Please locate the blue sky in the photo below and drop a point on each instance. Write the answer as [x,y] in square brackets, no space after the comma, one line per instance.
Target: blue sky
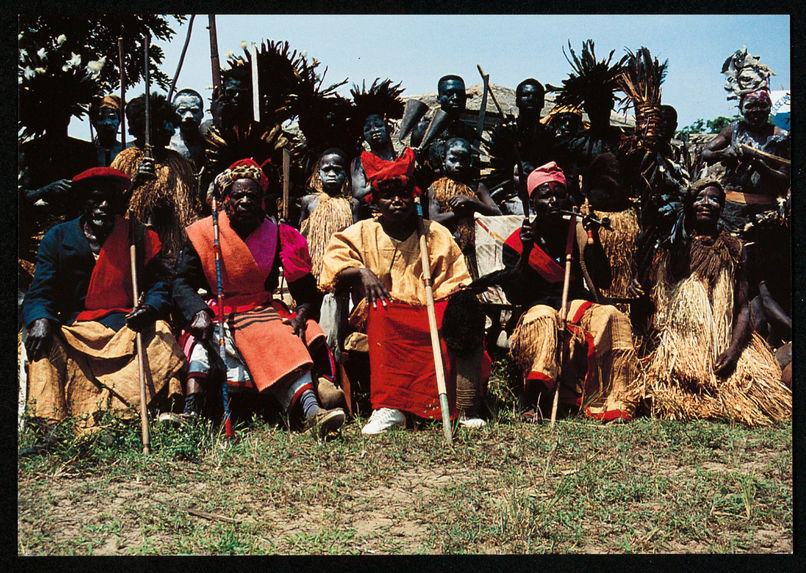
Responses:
[417,49]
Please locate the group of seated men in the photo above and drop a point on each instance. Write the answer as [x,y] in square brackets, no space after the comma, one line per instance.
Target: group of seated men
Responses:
[83,314]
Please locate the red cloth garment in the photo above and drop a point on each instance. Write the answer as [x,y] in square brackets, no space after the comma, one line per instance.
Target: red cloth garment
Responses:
[271,352]
[242,279]
[110,289]
[539,260]
[402,362]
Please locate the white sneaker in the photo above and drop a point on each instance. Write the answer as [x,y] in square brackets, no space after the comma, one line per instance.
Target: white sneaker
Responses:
[473,422]
[384,419]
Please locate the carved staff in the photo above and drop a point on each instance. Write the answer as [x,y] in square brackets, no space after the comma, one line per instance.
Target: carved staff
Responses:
[181,58]
[219,285]
[255,84]
[569,250]
[432,327]
[122,95]
[765,155]
[147,149]
[146,434]
[286,181]
[214,56]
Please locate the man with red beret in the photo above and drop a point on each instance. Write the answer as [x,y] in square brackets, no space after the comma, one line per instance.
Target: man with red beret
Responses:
[598,380]
[80,314]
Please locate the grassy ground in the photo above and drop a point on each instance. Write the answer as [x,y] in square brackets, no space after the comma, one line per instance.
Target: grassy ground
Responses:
[649,486]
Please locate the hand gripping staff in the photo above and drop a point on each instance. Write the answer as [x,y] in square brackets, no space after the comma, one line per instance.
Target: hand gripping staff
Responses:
[135,290]
[432,327]
[220,299]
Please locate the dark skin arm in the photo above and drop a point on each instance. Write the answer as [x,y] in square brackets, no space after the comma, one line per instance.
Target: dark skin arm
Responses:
[305,209]
[358,179]
[772,309]
[720,148]
[462,206]
[726,362]
[366,282]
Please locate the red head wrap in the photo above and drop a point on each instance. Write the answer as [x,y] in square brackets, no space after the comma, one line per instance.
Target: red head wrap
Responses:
[762,94]
[544,174]
[377,170]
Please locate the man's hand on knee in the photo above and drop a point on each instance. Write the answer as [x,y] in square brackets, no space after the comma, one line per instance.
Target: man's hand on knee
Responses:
[39,338]
[141,317]
[201,327]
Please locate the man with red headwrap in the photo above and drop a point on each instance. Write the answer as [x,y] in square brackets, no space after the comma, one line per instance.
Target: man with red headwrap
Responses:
[267,348]
[381,263]
[598,374]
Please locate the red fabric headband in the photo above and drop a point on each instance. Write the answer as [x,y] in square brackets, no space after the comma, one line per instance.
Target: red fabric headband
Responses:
[544,174]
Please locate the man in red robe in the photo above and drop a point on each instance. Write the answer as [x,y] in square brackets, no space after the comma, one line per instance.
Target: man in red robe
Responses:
[266,347]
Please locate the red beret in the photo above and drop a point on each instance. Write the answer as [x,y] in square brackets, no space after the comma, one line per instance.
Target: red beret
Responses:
[106,173]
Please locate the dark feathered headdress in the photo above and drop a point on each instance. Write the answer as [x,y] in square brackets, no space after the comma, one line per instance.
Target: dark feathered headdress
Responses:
[382,98]
[590,78]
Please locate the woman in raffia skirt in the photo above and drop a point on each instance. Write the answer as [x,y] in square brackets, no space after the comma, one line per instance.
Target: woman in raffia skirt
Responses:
[708,362]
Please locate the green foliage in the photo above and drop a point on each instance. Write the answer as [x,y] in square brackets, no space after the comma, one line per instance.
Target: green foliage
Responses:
[95,36]
[702,126]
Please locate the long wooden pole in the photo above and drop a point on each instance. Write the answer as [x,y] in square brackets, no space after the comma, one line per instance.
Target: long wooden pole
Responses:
[122,95]
[766,155]
[140,351]
[286,182]
[220,300]
[432,327]
[181,58]
[216,67]
[569,250]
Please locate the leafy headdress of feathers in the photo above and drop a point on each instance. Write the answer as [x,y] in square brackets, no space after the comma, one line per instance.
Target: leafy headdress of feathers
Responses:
[745,74]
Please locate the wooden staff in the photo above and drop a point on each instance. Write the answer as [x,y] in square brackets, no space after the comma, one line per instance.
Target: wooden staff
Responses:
[181,58]
[432,327]
[122,95]
[147,149]
[139,342]
[220,300]
[569,250]
[766,155]
[214,56]
[286,181]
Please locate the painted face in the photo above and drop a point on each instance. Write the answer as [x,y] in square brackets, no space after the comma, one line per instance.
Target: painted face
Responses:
[566,124]
[756,110]
[708,205]
[452,96]
[376,132]
[236,92]
[107,123]
[529,99]
[332,171]
[189,111]
[244,205]
[104,201]
[549,196]
[396,203]
[457,160]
